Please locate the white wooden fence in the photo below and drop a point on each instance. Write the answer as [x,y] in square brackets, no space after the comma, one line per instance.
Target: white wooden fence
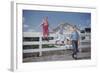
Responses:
[40,43]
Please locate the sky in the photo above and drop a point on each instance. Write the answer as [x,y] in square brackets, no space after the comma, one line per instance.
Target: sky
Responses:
[32,19]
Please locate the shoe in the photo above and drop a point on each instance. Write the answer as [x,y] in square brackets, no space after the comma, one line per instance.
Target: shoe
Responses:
[74,56]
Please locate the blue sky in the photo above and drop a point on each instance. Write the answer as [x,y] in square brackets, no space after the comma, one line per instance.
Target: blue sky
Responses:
[32,19]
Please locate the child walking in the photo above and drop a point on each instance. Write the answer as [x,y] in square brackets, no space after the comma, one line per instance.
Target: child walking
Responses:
[75,42]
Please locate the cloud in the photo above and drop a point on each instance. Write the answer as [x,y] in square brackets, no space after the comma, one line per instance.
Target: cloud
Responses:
[30,30]
[25,25]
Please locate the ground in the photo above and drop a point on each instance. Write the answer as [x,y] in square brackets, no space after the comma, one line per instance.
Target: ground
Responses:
[57,56]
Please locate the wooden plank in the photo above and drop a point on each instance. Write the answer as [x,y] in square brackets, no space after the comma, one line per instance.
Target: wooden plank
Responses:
[46,42]
[50,49]
[43,49]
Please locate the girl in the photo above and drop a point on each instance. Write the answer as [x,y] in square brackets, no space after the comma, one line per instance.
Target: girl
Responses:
[45,28]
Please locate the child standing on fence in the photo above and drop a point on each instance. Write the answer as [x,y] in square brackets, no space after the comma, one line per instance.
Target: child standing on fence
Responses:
[45,28]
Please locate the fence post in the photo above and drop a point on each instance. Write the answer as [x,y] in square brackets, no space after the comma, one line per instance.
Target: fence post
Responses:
[40,45]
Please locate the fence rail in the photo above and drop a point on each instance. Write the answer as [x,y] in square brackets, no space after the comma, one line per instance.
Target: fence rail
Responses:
[52,49]
[45,42]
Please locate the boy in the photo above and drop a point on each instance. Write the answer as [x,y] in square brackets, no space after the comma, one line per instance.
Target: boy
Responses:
[75,42]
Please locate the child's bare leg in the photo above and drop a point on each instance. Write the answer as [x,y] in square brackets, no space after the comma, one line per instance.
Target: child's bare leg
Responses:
[46,37]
